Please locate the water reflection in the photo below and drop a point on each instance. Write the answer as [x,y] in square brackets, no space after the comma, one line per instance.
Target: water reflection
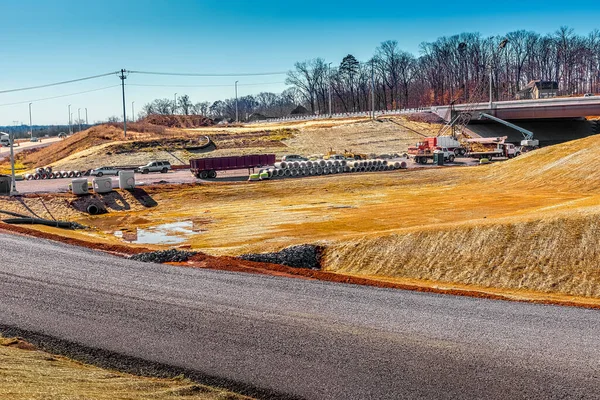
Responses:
[172,233]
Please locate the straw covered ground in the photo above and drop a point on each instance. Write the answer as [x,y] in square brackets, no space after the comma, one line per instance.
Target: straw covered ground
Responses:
[30,374]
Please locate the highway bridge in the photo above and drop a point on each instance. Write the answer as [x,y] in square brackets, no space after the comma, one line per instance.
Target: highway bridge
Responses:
[552,121]
[564,107]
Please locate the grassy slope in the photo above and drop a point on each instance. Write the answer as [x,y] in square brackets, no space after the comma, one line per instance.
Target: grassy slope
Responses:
[31,375]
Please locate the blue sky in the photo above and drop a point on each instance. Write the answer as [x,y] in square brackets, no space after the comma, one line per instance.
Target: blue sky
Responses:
[50,41]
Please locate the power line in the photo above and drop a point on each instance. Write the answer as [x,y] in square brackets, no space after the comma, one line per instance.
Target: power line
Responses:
[192,86]
[57,83]
[56,97]
[210,75]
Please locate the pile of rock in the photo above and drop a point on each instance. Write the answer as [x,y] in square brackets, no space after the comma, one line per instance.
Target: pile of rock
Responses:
[163,256]
[302,256]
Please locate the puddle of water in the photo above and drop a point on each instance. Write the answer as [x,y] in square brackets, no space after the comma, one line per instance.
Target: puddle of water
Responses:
[172,233]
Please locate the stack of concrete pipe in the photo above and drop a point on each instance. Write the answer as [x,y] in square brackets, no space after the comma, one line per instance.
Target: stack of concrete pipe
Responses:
[48,173]
[285,169]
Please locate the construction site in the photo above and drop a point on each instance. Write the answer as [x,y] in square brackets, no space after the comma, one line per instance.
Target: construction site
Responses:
[521,227]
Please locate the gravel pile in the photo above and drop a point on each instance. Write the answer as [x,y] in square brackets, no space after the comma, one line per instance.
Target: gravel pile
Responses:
[164,256]
[302,256]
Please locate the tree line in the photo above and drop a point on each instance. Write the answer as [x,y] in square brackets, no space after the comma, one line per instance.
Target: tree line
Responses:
[451,69]
[264,103]
[457,69]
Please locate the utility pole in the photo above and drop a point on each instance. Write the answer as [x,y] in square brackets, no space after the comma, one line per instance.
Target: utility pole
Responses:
[236,103]
[329,72]
[132,112]
[372,90]
[175,104]
[86,118]
[123,77]
[79,118]
[13,189]
[30,125]
[70,132]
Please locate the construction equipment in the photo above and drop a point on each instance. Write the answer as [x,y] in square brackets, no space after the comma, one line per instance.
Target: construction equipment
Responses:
[346,154]
[528,142]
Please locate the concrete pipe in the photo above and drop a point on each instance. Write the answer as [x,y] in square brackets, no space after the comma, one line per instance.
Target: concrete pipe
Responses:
[78,174]
[294,172]
[336,163]
[281,172]
[384,162]
[340,169]
[71,174]
[382,168]
[309,164]
[319,170]
[346,169]
[93,209]
[343,163]
[312,171]
[48,170]
[37,176]
[287,172]
[29,177]
[281,164]
[322,163]
[403,165]
[296,165]
[326,171]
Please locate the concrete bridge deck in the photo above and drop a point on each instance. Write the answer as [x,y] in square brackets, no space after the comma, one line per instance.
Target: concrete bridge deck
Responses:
[564,107]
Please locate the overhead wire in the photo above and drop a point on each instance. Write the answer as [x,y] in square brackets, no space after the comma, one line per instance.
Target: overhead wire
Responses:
[209,74]
[56,97]
[57,83]
[192,86]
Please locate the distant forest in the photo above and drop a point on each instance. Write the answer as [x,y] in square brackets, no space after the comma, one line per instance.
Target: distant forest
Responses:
[22,131]
[455,68]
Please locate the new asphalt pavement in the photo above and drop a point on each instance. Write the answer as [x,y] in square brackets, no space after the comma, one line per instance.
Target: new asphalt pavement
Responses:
[276,337]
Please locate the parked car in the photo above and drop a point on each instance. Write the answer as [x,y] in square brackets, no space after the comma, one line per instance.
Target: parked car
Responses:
[104,171]
[293,157]
[588,95]
[155,166]
[34,139]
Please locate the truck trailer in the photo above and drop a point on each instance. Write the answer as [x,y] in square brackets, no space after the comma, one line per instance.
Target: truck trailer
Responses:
[204,168]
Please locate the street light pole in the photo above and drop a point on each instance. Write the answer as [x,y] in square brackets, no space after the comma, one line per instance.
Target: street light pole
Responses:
[329,73]
[13,189]
[175,102]
[86,118]
[30,125]
[236,103]
[132,113]
[79,118]
[70,132]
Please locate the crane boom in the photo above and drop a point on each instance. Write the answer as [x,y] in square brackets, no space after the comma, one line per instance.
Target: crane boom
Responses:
[527,135]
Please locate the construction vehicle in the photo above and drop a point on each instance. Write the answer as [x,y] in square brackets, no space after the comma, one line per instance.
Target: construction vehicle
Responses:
[528,142]
[348,155]
[423,151]
[491,148]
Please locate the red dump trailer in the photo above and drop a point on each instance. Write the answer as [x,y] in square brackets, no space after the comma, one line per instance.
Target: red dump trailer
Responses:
[207,167]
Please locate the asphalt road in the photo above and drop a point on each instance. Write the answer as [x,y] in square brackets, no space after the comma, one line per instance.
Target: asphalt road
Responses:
[5,151]
[297,337]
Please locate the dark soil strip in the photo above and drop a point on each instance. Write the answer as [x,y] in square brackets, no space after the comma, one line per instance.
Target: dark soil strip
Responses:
[133,365]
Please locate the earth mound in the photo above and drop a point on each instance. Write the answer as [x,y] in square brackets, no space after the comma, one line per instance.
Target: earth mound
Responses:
[179,121]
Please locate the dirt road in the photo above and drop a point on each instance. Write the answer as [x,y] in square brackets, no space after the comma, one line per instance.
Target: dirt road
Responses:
[286,338]
[182,176]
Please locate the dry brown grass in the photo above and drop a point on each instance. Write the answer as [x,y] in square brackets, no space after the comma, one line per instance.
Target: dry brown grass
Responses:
[36,375]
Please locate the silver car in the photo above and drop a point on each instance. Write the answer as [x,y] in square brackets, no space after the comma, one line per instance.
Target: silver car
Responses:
[104,171]
[155,166]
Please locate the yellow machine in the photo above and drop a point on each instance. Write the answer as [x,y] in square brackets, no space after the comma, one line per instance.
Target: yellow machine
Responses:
[347,154]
